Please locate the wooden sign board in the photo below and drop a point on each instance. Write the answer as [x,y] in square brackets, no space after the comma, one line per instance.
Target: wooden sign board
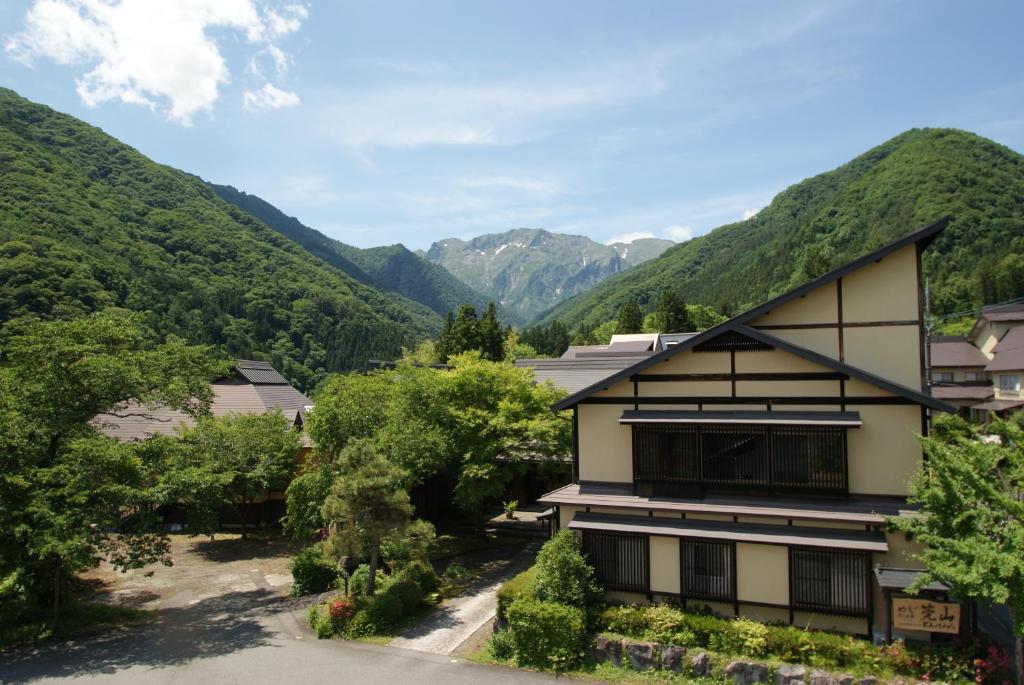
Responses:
[924,614]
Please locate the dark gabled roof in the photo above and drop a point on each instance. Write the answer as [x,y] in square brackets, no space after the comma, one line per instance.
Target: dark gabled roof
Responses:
[259,373]
[1003,312]
[922,237]
[1008,352]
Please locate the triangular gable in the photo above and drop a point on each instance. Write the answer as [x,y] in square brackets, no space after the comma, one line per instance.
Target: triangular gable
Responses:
[736,327]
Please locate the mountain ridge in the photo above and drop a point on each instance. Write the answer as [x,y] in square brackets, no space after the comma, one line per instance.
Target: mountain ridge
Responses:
[832,217]
[528,270]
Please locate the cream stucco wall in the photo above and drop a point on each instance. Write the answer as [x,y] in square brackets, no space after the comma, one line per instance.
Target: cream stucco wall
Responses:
[665,572]
[892,352]
[817,306]
[762,573]
[606,448]
[886,290]
[885,452]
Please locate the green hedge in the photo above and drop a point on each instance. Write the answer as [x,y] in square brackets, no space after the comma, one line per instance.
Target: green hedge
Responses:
[408,593]
[547,635]
[520,586]
[421,573]
[312,571]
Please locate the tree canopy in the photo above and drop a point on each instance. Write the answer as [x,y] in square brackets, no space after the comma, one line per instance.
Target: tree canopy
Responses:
[72,496]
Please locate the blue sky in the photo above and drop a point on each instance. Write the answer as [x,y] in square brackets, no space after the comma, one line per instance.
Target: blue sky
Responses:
[410,122]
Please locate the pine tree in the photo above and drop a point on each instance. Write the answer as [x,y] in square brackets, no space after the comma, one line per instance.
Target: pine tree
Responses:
[491,335]
[671,315]
[631,319]
[444,340]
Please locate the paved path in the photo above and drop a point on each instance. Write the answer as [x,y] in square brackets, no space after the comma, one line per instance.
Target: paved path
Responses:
[458,618]
[244,638]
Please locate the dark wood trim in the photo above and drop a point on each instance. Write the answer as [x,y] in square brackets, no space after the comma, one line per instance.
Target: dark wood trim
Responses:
[839,317]
[636,391]
[732,370]
[847,324]
[576,443]
[767,376]
[704,399]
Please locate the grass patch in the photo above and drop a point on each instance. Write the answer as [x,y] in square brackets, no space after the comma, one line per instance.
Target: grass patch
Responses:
[29,627]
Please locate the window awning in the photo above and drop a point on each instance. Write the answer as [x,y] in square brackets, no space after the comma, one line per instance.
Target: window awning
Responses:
[899,579]
[849,419]
[866,541]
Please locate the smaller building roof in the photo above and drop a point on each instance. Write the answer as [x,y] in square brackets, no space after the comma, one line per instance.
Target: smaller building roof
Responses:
[1004,312]
[572,374]
[869,541]
[950,351]
[900,579]
[1008,354]
[962,392]
[998,405]
[259,373]
[849,419]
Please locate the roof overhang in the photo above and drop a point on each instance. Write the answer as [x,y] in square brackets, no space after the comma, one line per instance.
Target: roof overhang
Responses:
[848,419]
[866,541]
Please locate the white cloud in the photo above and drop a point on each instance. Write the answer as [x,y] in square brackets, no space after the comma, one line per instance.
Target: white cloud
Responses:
[629,237]
[678,233]
[156,54]
[269,97]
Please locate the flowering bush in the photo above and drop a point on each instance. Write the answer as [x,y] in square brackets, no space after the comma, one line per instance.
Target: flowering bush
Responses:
[342,609]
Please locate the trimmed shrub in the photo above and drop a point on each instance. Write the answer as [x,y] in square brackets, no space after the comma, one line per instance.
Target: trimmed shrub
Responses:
[547,635]
[357,582]
[455,571]
[384,611]
[520,586]
[312,571]
[563,574]
[408,593]
[421,573]
[320,622]
[502,645]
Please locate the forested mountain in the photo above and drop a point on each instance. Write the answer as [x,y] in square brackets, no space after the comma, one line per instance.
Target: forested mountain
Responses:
[528,270]
[390,268]
[87,222]
[912,180]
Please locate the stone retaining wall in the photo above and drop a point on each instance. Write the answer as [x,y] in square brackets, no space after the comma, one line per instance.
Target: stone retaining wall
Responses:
[643,656]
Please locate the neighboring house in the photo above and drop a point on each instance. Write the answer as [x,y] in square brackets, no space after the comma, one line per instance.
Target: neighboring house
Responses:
[957,370]
[751,468]
[581,366]
[981,373]
[253,387]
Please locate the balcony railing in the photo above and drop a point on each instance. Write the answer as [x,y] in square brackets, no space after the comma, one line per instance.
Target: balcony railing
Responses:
[686,460]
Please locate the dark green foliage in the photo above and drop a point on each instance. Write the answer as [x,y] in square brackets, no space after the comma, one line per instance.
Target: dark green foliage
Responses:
[563,574]
[520,586]
[87,222]
[421,573]
[389,268]
[631,319]
[671,315]
[502,645]
[550,340]
[383,612]
[547,635]
[491,335]
[408,593]
[903,184]
[359,579]
[312,571]
[461,335]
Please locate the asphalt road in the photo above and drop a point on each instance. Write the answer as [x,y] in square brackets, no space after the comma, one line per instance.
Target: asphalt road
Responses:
[239,637]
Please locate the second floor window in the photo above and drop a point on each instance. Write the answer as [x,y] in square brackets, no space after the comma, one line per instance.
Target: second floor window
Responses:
[942,376]
[1008,383]
[973,376]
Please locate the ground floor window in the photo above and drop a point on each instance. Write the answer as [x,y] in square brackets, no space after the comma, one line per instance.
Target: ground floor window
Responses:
[830,581]
[621,561]
[708,570]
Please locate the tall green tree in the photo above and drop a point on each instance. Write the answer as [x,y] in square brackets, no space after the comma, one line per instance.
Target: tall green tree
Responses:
[71,496]
[971,519]
[463,334]
[367,504]
[230,461]
[671,315]
[491,335]
[631,319]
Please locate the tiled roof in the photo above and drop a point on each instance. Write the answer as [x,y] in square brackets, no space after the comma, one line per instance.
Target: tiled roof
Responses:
[962,392]
[230,396]
[955,352]
[260,373]
[1004,312]
[574,374]
[1008,352]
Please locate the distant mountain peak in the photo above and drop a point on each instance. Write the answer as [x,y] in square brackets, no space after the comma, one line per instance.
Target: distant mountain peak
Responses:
[532,269]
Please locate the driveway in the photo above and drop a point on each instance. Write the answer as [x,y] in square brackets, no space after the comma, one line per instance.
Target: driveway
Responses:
[223,616]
